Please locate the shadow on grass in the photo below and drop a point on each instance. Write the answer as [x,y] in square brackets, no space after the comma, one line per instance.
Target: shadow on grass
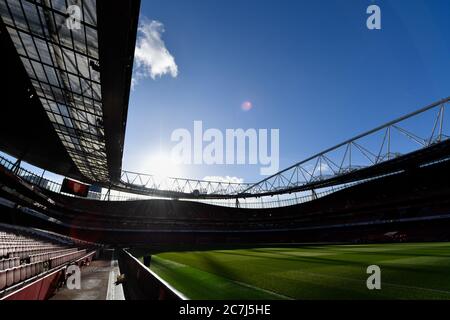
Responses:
[156,249]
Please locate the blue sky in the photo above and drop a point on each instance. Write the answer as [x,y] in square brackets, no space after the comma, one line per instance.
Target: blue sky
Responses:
[311,69]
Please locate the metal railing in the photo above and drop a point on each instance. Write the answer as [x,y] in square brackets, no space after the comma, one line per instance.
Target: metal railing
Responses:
[320,175]
[251,203]
[387,142]
[29,176]
[152,183]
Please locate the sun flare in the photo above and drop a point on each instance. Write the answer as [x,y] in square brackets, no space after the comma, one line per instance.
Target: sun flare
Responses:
[162,165]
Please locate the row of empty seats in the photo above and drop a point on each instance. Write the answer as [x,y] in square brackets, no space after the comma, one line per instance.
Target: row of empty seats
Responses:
[63,259]
[14,245]
[26,254]
[22,253]
[48,255]
[18,274]
[9,263]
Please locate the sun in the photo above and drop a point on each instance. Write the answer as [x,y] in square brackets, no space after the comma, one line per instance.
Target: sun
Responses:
[162,165]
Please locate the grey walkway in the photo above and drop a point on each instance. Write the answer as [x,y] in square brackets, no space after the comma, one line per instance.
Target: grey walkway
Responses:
[97,282]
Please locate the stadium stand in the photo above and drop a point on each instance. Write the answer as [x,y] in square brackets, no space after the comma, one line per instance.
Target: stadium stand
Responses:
[418,195]
[44,231]
[28,255]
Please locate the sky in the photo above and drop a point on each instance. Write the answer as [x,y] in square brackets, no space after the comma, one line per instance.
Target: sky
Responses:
[311,69]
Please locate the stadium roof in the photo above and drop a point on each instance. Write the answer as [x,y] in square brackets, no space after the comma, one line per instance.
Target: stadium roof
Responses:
[67,84]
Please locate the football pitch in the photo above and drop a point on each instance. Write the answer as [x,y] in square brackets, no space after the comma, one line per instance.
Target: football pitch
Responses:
[408,271]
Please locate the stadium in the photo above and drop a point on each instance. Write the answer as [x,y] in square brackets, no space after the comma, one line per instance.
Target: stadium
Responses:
[311,231]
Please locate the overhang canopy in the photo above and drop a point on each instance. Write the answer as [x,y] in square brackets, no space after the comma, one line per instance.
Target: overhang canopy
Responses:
[74,60]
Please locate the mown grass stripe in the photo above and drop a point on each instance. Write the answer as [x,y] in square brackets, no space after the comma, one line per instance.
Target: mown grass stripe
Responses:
[409,271]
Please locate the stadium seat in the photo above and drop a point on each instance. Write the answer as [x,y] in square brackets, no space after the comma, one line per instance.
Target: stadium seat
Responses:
[18,243]
[23,273]
[28,270]
[16,275]
[9,277]
[2,279]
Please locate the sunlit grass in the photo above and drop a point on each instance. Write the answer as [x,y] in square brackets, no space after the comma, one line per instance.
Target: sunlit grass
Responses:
[408,271]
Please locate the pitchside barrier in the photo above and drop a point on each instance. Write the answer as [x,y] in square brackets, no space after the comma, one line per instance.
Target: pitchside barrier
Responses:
[140,283]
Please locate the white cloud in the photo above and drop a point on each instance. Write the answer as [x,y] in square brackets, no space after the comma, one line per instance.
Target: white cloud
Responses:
[152,59]
[225,179]
[322,167]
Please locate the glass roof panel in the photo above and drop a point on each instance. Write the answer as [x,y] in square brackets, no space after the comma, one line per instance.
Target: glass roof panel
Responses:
[59,60]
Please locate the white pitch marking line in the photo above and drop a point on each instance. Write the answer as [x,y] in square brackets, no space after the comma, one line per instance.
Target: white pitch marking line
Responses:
[231,280]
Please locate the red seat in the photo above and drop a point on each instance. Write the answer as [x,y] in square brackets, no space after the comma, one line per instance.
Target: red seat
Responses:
[29,271]
[40,267]
[9,277]
[2,280]
[23,273]
[16,275]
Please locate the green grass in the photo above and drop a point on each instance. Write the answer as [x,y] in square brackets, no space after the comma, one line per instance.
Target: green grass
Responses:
[408,271]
